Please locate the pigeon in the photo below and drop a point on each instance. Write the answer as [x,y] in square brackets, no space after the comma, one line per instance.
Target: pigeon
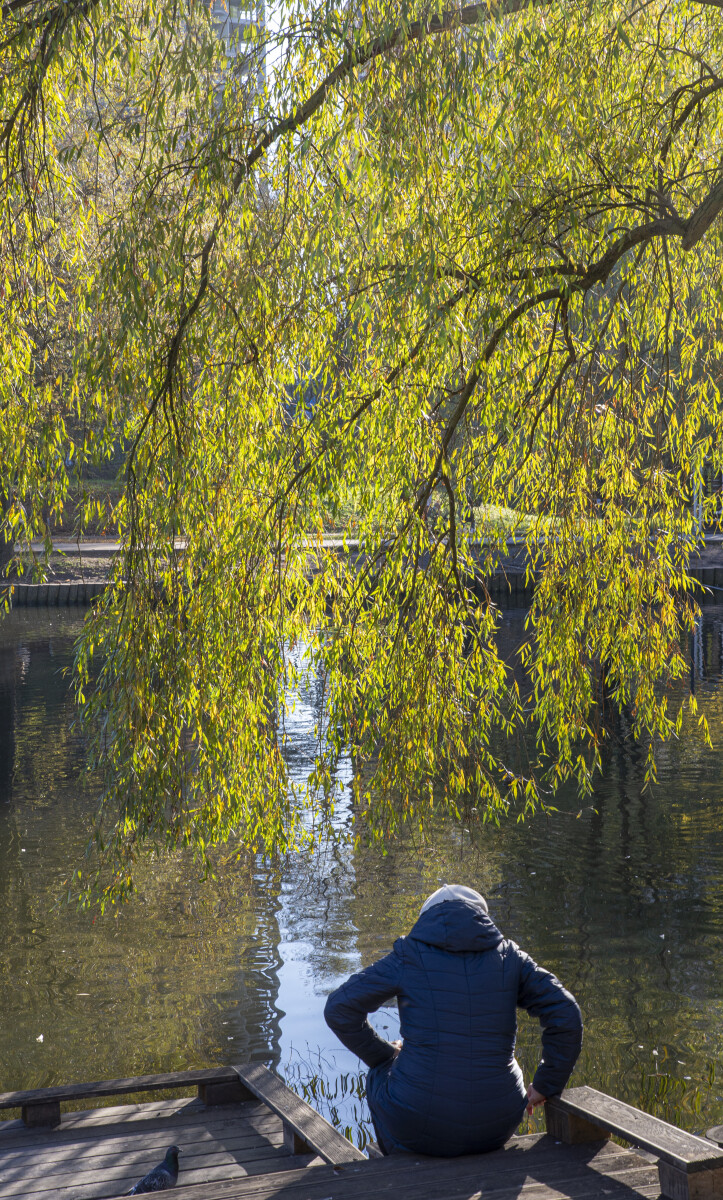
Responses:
[161,1177]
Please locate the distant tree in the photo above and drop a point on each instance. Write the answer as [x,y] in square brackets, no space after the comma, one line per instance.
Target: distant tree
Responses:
[510,210]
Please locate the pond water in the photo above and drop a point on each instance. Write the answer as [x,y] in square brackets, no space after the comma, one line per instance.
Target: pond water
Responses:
[620,897]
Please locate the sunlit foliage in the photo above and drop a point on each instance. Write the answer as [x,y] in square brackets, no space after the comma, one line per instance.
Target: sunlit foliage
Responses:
[445,261]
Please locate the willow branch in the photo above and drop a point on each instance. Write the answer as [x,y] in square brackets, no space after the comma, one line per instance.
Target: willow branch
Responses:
[703,217]
[352,60]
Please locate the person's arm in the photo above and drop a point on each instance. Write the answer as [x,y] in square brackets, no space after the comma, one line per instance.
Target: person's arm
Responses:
[545,998]
[347,1008]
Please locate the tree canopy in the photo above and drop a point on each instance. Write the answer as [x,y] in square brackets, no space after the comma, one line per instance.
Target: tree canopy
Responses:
[446,261]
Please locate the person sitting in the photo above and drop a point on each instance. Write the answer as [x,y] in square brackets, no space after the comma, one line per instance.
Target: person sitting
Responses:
[452,1085]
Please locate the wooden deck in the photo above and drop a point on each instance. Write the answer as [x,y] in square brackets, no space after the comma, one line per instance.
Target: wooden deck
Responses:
[267,1144]
[236,1152]
[528,1168]
[227,1156]
[105,1151]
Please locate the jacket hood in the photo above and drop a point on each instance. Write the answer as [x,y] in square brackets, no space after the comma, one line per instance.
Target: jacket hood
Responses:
[457,926]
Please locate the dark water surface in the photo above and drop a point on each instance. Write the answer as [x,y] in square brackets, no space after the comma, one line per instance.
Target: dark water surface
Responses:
[622,899]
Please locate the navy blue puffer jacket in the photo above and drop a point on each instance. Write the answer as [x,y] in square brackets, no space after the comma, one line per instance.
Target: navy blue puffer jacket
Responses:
[455,1087]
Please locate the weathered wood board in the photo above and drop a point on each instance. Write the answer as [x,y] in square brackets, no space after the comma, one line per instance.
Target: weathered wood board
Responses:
[118,1087]
[682,1150]
[689,1167]
[236,1152]
[528,1168]
[103,1152]
[305,1131]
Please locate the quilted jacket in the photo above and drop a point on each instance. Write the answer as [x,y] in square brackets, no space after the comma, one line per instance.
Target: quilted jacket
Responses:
[455,1088]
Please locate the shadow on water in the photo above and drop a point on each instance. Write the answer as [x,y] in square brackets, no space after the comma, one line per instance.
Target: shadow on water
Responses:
[622,899]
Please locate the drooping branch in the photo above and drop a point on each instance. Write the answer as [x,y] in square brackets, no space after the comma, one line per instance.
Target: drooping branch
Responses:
[598,272]
[15,6]
[704,216]
[57,21]
[470,15]
[61,16]
[352,60]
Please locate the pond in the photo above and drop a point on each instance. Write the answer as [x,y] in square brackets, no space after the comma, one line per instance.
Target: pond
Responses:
[620,896]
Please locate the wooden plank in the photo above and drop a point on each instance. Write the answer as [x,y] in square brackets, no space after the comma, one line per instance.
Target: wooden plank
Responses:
[100,1190]
[91,1151]
[95,1190]
[194,1168]
[308,1127]
[567,1171]
[444,1181]
[242,1150]
[175,1110]
[562,1178]
[116,1087]
[682,1150]
[528,1152]
[61,1160]
[88,1161]
[447,1185]
[533,1155]
[144,1110]
[39,1162]
[227,1135]
[162,1135]
[421,1179]
[507,1168]
[156,1142]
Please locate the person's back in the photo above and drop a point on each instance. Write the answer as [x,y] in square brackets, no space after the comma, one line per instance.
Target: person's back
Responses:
[455,1087]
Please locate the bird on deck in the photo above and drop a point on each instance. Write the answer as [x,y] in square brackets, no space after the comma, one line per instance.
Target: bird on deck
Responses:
[161,1177]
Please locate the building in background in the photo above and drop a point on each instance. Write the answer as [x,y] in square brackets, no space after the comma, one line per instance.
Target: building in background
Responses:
[233,24]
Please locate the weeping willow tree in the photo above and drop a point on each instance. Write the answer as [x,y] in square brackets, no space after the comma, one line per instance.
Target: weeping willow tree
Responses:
[451,263]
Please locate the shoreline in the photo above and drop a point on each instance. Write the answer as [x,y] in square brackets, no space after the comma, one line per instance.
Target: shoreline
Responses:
[81,572]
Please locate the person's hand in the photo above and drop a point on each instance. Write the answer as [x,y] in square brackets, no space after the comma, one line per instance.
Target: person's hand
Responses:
[533,1099]
[397,1047]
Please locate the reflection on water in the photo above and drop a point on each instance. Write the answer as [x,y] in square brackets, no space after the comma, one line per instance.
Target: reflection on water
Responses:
[622,899]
